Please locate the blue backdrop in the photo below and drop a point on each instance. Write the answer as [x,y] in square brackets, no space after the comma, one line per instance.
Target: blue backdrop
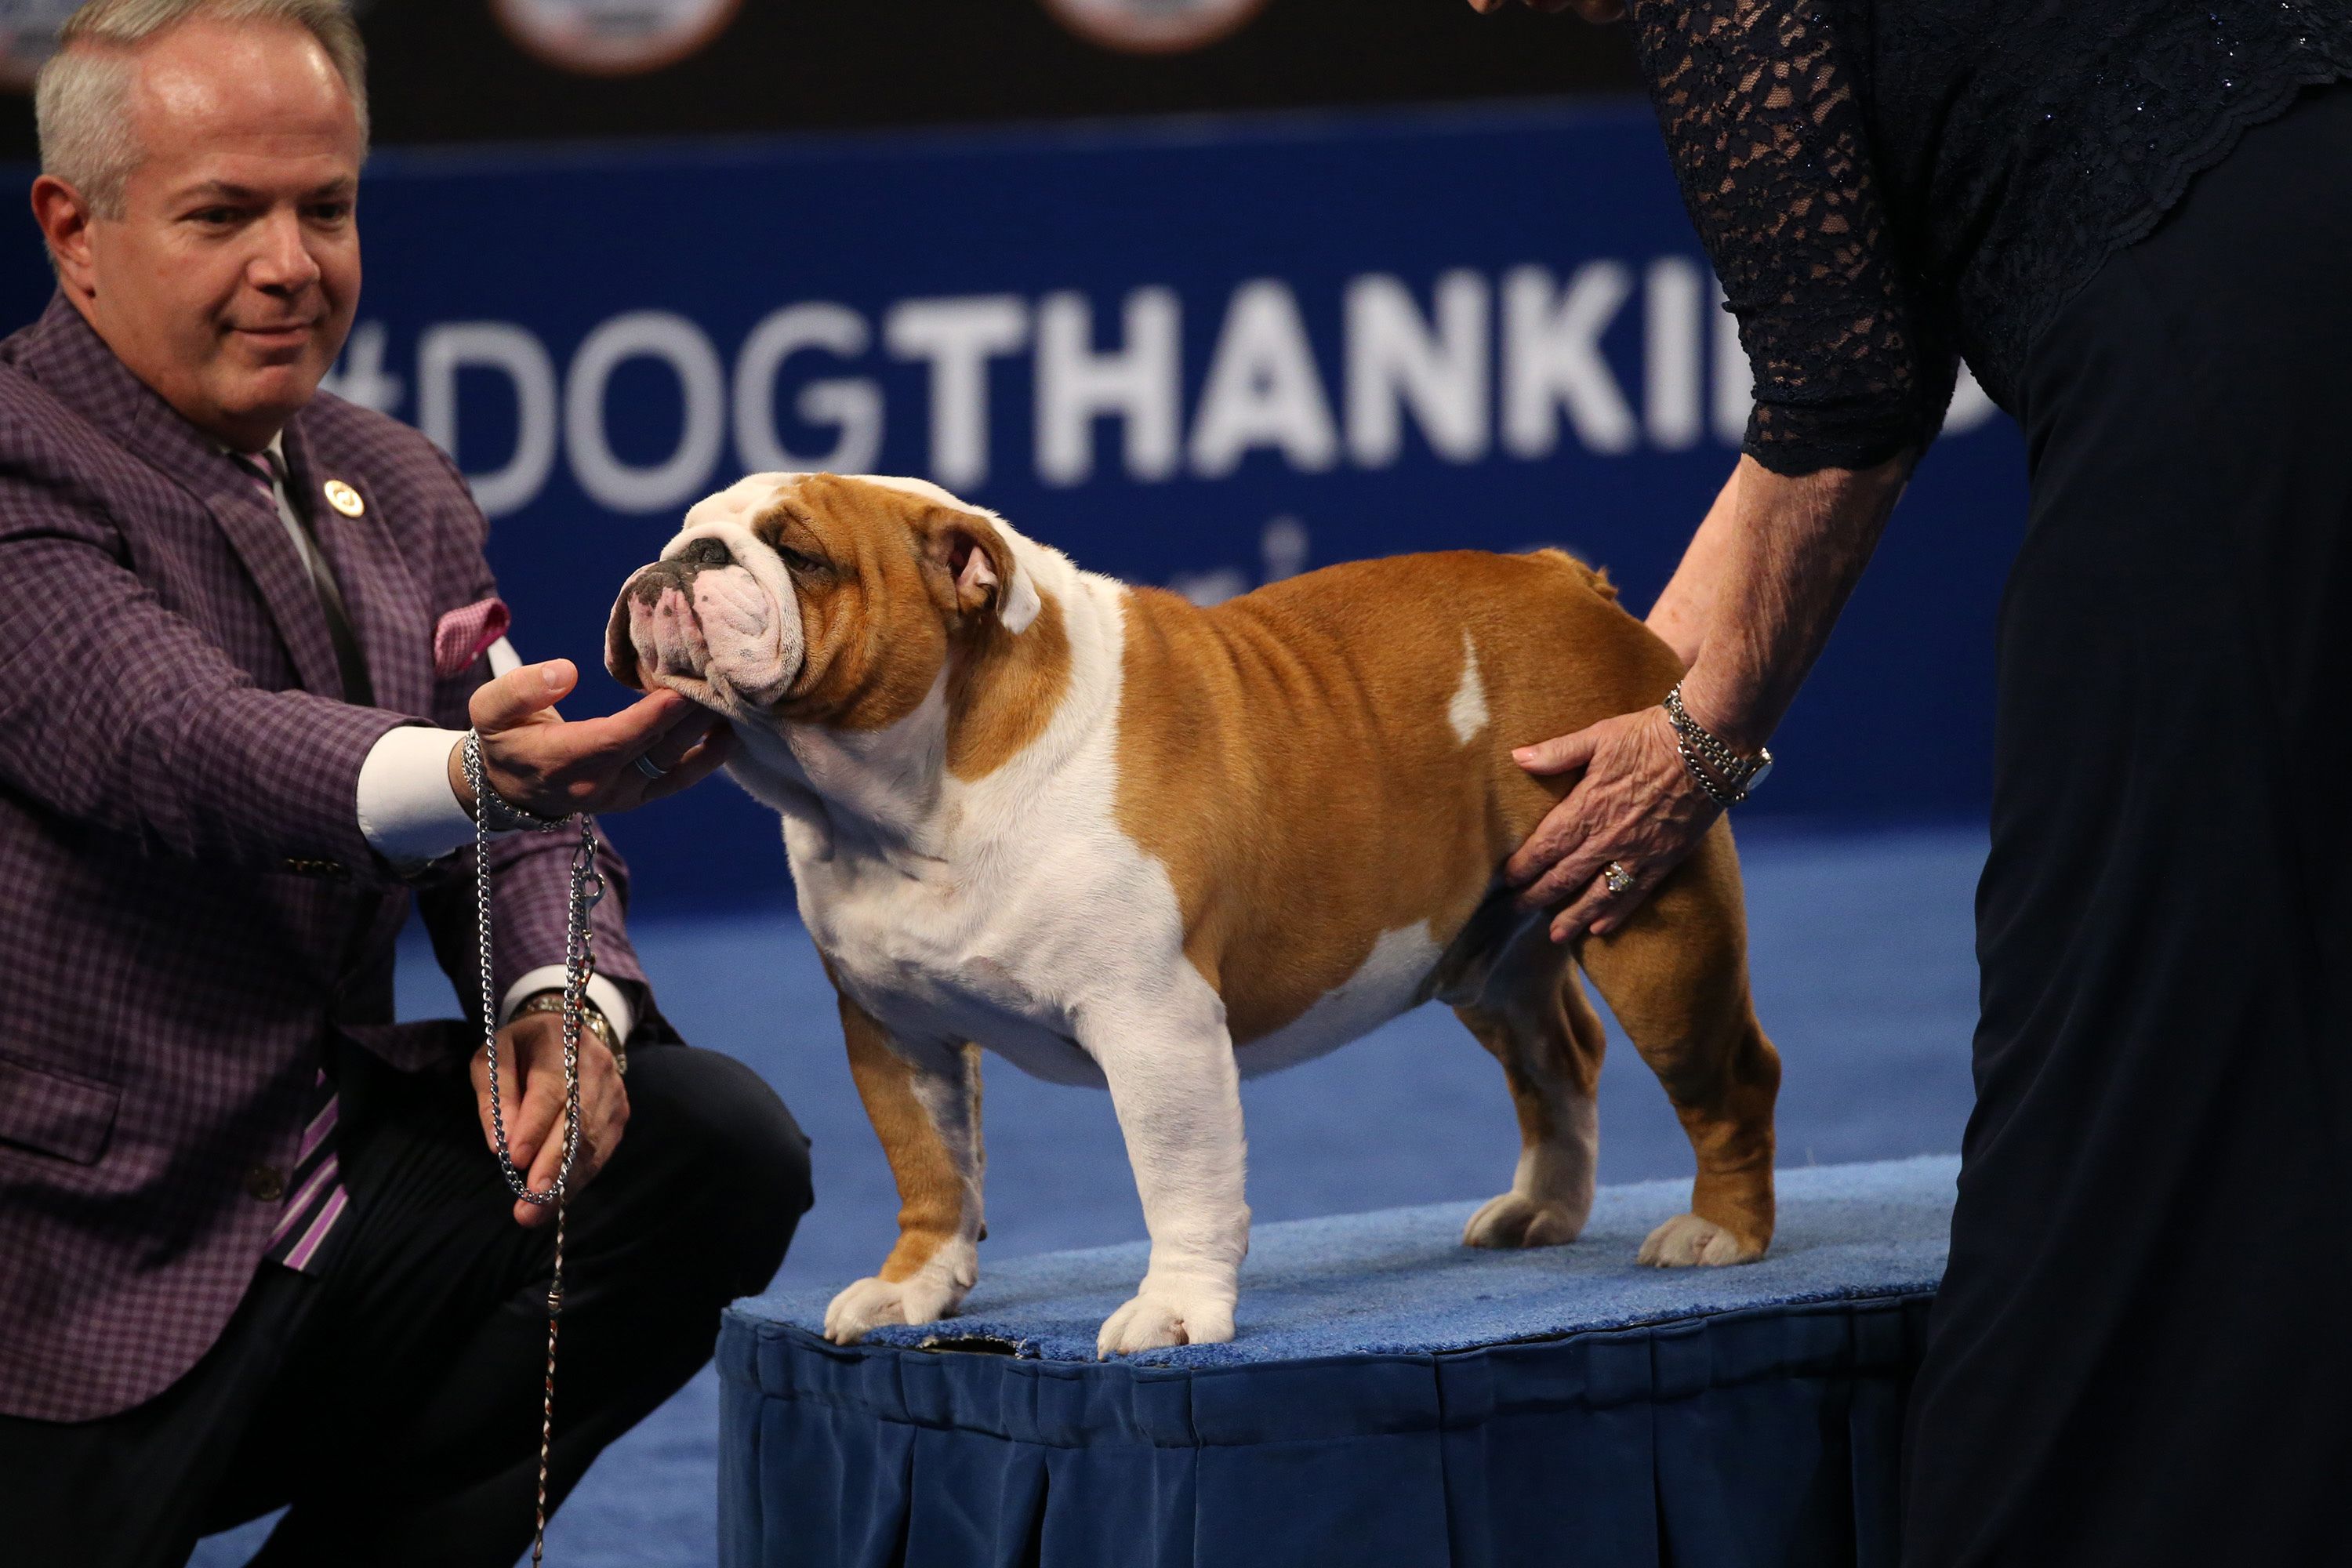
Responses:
[1198,352]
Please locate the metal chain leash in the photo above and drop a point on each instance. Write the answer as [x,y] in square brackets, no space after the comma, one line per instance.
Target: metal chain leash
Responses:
[587,888]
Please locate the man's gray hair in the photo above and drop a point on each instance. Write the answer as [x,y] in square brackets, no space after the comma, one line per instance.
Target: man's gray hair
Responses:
[81,99]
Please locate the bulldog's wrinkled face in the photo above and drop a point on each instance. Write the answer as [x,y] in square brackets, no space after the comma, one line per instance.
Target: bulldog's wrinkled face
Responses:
[815,599]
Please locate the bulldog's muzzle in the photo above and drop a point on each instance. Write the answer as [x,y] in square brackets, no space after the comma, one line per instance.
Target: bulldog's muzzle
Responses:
[679,570]
[715,620]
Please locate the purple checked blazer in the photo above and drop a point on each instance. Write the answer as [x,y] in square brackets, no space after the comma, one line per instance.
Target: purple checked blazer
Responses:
[188,910]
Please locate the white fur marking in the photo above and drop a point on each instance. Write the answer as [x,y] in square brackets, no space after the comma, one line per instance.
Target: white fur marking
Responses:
[1022,604]
[1387,984]
[1467,711]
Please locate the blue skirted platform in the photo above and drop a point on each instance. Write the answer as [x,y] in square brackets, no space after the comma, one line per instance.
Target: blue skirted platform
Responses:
[1390,1397]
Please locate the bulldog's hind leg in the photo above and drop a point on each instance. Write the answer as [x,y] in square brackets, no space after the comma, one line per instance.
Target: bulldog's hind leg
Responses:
[1551,1047]
[925,1105]
[1676,976]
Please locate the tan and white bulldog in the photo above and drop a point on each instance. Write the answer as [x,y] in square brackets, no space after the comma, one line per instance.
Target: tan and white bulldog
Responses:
[1129,842]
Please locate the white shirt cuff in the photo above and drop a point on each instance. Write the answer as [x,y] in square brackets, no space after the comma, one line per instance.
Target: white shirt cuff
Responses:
[408,810]
[550,977]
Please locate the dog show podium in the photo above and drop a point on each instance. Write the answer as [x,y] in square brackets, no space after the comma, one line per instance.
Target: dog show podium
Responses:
[1391,1399]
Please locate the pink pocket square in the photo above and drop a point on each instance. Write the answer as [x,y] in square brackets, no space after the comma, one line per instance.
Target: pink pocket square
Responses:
[466,634]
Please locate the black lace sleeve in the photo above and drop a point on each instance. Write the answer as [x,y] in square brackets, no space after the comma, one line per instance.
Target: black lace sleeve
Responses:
[1768,144]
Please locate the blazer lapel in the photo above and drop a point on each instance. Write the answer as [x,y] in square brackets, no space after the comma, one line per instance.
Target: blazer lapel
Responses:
[77,366]
[255,531]
[388,611]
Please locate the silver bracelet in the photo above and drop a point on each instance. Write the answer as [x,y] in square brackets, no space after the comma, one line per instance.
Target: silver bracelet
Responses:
[492,809]
[1728,777]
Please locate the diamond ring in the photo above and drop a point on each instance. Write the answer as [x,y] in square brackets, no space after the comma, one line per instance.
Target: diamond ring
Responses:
[648,767]
[1617,876]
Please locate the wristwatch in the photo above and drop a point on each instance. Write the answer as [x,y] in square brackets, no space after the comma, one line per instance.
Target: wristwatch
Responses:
[592,1018]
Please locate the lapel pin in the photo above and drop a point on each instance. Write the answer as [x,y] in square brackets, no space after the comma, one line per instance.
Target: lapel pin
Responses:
[343,499]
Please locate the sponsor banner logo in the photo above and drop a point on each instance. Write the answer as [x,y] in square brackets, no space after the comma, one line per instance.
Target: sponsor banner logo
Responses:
[1468,368]
[1153,27]
[614,37]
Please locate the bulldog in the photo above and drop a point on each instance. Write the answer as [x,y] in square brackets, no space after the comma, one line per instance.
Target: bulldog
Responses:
[1130,842]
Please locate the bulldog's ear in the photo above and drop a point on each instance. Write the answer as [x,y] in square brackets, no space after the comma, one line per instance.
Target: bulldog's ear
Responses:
[969,560]
[974,570]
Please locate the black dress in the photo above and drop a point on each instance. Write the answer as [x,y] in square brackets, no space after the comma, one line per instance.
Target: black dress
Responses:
[2135,220]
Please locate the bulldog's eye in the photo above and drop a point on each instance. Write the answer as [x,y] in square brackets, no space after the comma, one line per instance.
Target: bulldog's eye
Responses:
[799,561]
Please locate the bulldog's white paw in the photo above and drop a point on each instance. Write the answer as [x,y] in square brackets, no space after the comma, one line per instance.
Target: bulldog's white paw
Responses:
[1157,1318]
[1515,1219]
[872,1302]
[1687,1241]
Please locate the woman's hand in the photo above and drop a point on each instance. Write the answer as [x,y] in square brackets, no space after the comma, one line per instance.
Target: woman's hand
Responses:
[1745,614]
[1636,806]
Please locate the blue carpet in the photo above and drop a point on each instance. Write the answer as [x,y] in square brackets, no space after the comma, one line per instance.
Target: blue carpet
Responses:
[1401,1282]
[1864,976]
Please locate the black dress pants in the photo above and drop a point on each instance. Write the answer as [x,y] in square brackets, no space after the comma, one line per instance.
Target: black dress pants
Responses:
[393,1402]
[2140,1354]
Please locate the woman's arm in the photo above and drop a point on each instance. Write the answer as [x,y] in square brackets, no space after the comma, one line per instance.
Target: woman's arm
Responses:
[1763,582]
[1749,610]
[1679,617]
[1770,146]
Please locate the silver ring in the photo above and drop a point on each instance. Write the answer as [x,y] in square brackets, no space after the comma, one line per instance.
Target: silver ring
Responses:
[1617,876]
[646,766]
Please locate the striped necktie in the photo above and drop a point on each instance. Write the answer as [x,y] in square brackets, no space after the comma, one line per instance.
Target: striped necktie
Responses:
[315,1195]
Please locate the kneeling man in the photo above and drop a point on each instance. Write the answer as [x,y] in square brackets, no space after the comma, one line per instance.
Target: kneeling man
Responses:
[254,1252]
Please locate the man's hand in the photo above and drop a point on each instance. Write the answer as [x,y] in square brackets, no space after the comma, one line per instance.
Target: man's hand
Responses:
[1636,806]
[530,1097]
[537,761]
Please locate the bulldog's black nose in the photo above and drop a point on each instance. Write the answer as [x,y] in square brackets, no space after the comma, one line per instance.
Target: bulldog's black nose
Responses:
[708,552]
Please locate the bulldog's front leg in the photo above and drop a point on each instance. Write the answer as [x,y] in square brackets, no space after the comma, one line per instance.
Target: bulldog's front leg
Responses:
[925,1105]
[1177,1090]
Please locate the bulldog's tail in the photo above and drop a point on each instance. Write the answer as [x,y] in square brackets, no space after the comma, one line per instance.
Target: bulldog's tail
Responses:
[1594,577]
